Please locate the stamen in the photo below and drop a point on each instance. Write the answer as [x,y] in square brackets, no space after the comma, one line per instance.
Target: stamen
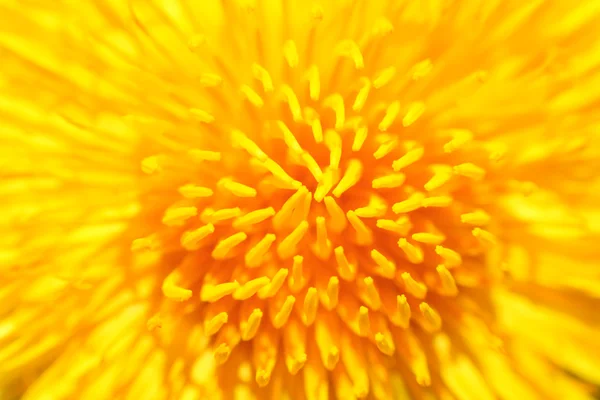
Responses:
[311,302]
[390,116]
[447,280]
[414,202]
[253,218]
[389,181]
[276,282]
[190,240]
[323,245]
[191,191]
[297,281]
[359,138]
[451,258]
[178,216]
[224,247]
[460,138]
[287,247]
[292,101]
[210,80]
[364,235]
[384,77]
[346,270]
[363,93]
[413,253]
[364,325]
[485,236]
[470,170]
[284,214]
[428,238]
[290,52]
[336,103]
[385,148]
[478,217]
[249,328]
[202,116]
[239,138]
[372,294]
[252,96]
[250,288]
[238,189]
[263,76]
[283,314]
[403,310]
[351,177]
[337,220]
[172,290]
[385,344]
[422,69]
[213,325]
[349,48]
[255,256]
[437,201]
[211,293]
[314,83]
[417,289]
[432,320]
[411,157]
[211,216]
[332,294]
[333,141]
[388,268]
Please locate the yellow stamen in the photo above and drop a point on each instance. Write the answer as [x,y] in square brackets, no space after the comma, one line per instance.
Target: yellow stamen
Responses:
[211,293]
[290,52]
[292,100]
[428,238]
[485,236]
[437,201]
[415,110]
[432,320]
[263,76]
[389,181]
[372,294]
[202,115]
[359,138]
[212,216]
[190,240]
[478,217]
[323,245]
[178,216]
[283,314]
[346,270]
[351,177]
[414,202]
[413,252]
[403,310]
[364,326]
[213,325]
[255,256]
[297,281]
[191,191]
[282,217]
[333,141]
[391,113]
[314,84]
[385,148]
[363,93]
[250,288]
[470,170]
[276,283]
[364,235]
[384,77]
[417,289]
[447,281]
[411,157]
[337,218]
[451,258]
[253,97]
[253,218]
[238,189]
[349,48]
[311,303]
[224,247]
[336,103]
[249,328]
[385,344]
[388,268]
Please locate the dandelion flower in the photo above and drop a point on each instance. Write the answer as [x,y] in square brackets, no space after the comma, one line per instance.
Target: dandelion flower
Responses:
[264,199]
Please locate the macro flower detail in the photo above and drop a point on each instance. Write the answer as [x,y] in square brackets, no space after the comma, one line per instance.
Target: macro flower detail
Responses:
[264,199]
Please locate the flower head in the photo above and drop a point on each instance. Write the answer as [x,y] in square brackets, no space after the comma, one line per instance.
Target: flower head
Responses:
[269,199]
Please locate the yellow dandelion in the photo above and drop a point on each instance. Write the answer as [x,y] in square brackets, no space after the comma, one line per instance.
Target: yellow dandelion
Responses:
[285,199]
